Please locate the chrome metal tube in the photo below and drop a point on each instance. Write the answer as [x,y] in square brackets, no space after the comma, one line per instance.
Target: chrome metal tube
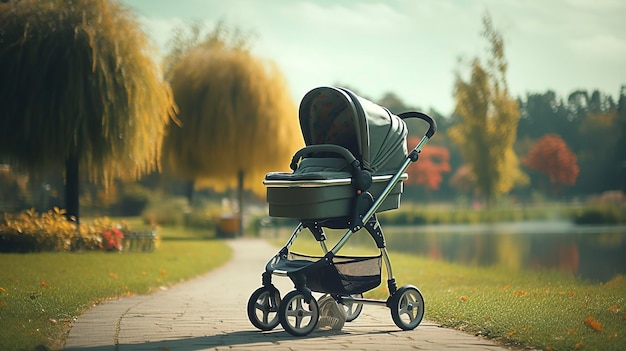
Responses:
[382,196]
[294,235]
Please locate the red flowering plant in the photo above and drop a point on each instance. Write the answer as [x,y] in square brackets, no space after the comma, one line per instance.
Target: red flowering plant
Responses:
[112,239]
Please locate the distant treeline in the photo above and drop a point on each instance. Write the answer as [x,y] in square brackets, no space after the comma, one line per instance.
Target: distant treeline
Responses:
[593,126]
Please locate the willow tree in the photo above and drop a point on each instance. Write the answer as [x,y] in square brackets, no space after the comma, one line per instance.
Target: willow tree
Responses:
[79,91]
[488,118]
[236,116]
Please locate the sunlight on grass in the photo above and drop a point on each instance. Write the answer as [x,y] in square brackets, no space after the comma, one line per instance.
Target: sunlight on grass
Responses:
[40,294]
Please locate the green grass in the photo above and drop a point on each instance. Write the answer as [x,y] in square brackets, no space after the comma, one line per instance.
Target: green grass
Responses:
[544,310]
[40,294]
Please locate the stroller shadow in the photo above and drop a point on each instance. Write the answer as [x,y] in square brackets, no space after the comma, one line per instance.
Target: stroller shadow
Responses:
[225,340]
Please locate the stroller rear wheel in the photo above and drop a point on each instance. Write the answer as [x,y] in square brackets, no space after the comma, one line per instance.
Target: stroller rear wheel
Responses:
[407,307]
[353,309]
[298,317]
[263,308]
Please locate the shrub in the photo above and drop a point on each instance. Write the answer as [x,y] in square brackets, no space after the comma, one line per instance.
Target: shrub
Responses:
[600,215]
[166,212]
[30,231]
[133,201]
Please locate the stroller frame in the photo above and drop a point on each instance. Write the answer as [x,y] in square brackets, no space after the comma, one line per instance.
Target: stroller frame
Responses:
[298,311]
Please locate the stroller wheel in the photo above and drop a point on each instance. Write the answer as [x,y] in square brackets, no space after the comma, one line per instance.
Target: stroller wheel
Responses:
[298,317]
[263,308]
[353,309]
[407,307]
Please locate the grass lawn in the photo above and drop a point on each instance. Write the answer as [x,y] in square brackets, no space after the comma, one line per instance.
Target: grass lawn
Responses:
[543,310]
[41,293]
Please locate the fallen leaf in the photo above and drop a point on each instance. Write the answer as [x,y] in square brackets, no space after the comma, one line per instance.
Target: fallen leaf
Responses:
[44,284]
[571,331]
[3,290]
[548,348]
[163,272]
[593,324]
[579,344]
[1,304]
[614,309]
[113,275]
[519,293]
[464,298]
[52,320]
[506,287]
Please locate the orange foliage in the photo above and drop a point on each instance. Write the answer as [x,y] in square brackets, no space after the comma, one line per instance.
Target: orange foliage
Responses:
[551,156]
[432,163]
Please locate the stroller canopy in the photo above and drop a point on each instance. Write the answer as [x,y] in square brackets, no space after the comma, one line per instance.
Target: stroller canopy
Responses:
[375,136]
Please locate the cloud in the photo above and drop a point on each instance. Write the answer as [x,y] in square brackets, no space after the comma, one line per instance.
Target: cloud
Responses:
[411,47]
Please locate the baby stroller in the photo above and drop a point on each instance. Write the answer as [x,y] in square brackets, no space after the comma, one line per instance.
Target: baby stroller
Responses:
[352,167]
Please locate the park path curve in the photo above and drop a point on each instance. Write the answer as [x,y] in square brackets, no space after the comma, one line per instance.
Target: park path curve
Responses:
[209,313]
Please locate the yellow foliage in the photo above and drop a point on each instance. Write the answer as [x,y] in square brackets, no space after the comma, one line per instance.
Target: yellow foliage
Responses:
[235,115]
[80,80]
[488,122]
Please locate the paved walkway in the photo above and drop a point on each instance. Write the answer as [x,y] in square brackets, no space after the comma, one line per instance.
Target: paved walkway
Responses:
[209,313]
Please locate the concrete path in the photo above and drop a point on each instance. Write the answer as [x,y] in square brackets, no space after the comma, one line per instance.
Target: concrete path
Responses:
[209,313]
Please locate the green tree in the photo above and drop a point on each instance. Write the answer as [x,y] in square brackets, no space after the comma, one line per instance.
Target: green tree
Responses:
[79,89]
[542,114]
[488,119]
[236,116]
[618,164]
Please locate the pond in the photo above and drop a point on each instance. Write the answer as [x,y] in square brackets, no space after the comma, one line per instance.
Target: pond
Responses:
[596,253]
[592,252]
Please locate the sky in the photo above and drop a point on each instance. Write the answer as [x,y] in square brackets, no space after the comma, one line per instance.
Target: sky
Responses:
[416,48]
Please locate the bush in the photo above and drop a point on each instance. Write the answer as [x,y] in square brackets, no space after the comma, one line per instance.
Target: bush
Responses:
[30,231]
[133,201]
[166,212]
[600,215]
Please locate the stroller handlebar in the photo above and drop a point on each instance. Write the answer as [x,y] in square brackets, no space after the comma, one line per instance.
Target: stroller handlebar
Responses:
[432,125]
[345,153]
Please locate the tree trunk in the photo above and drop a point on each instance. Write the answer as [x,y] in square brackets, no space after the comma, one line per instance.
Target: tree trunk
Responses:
[191,184]
[71,188]
[240,176]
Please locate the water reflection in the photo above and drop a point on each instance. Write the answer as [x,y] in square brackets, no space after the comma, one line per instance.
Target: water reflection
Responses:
[597,253]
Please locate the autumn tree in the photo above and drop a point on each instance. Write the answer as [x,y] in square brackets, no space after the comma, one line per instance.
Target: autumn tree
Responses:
[463,179]
[551,157]
[487,122]
[79,91]
[428,171]
[236,115]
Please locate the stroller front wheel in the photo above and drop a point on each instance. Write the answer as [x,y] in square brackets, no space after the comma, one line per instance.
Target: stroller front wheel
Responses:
[298,317]
[263,308]
[407,307]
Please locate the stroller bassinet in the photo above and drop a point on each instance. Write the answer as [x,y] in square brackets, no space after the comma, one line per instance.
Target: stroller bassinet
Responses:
[351,168]
[370,146]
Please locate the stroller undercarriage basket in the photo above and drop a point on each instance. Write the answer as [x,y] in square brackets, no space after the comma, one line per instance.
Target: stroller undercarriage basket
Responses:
[345,275]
